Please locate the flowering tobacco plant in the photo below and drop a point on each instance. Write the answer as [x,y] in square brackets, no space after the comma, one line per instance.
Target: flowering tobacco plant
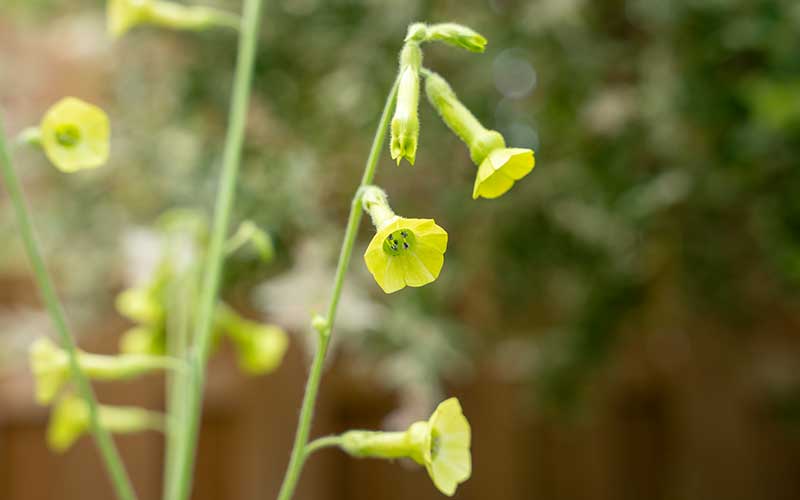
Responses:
[175,328]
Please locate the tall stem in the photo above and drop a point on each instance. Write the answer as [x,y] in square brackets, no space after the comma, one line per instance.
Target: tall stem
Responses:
[105,444]
[312,385]
[248,38]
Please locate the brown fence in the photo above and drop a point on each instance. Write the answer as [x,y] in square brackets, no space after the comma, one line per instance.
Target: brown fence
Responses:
[696,427]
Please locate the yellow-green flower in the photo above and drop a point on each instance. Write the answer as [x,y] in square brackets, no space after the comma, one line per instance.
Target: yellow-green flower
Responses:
[75,135]
[441,444]
[51,369]
[142,305]
[259,347]
[122,15]
[403,252]
[405,122]
[143,340]
[69,421]
[499,167]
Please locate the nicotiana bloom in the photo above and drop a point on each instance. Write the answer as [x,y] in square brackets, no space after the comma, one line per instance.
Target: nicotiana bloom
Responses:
[75,135]
[405,122]
[51,370]
[403,252]
[122,15]
[450,33]
[69,421]
[441,444]
[259,347]
[499,167]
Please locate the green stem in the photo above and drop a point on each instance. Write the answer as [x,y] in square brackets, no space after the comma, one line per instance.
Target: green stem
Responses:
[323,442]
[248,38]
[182,296]
[105,444]
[312,385]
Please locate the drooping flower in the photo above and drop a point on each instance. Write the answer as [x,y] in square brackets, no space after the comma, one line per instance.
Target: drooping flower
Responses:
[259,347]
[69,421]
[454,34]
[441,444]
[75,135]
[122,15]
[405,122]
[51,369]
[499,167]
[403,252]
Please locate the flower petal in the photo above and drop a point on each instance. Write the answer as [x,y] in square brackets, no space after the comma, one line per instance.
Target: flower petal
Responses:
[514,162]
[492,186]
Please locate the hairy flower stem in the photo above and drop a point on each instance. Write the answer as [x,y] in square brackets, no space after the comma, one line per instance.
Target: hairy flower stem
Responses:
[299,450]
[185,455]
[105,444]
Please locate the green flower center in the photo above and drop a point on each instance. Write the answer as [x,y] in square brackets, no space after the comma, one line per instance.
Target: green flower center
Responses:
[399,242]
[68,135]
[435,443]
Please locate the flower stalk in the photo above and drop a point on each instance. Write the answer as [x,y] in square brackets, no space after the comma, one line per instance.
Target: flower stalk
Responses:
[185,455]
[324,326]
[108,451]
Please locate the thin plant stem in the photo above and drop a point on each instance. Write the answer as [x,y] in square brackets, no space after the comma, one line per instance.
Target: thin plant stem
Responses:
[187,446]
[312,385]
[108,450]
[182,296]
[323,442]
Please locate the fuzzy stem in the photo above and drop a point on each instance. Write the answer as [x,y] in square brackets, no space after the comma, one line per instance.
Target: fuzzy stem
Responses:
[453,112]
[323,442]
[312,385]
[248,38]
[105,444]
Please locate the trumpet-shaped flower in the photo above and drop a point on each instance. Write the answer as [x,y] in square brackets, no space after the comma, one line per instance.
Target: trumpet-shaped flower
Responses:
[51,369]
[441,444]
[69,421]
[259,347]
[75,135]
[403,252]
[122,15]
[405,122]
[499,167]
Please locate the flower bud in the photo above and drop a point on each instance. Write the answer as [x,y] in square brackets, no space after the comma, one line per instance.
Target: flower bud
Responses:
[405,122]
[456,35]
[122,15]
[74,135]
[69,421]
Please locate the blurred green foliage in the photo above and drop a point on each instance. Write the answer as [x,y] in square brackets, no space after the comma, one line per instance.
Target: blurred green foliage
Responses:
[667,136]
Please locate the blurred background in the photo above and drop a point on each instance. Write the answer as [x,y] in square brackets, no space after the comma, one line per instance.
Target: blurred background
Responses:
[623,324]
